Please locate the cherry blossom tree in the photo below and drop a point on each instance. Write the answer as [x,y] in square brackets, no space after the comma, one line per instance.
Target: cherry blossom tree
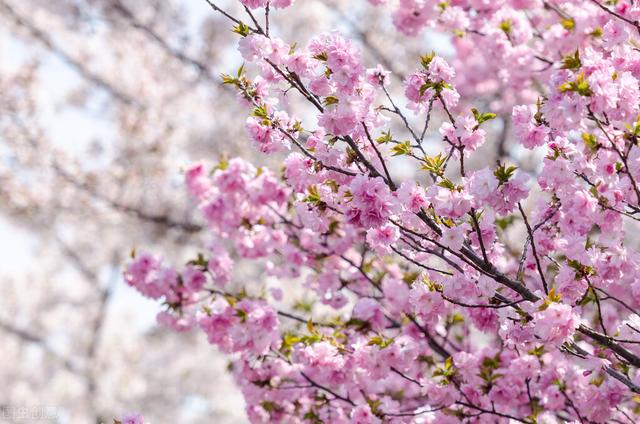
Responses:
[367,260]
[405,279]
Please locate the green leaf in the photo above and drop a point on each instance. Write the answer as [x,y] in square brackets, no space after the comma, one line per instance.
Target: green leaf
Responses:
[568,23]
[633,131]
[589,297]
[228,79]
[552,297]
[385,137]
[426,59]
[332,185]
[447,183]
[539,117]
[424,87]
[333,227]
[261,112]
[443,5]
[242,29]
[222,165]
[537,351]
[313,417]
[403,148]
[410,277]
[358,324]
[380,342]
[241,314]
[492,363]
[482,117]
[572,61]
[200,261]
[536,409]
[504,173]
[591,141]
[289,340]
[436,86]
[580,86]
[330,100]
[597,32]
[454,319]
[448,363]
[582,270]
[503,223]
[303,306]
[505,26]
[322,57]
[270,406]
[374,405]
[313,196]
[434,164]
[447,371]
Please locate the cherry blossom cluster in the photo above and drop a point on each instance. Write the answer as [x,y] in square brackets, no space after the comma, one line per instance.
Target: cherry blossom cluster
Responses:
[465,294]
[130,418]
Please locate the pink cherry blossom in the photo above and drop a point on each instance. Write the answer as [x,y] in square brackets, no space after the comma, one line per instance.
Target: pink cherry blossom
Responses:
[132,418]
[555,323]
[381,239]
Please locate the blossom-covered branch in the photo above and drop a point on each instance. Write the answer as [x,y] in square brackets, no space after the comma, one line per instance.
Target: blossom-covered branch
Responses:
[434,313]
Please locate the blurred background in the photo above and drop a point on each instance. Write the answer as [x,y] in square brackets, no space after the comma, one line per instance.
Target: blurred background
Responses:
[102,105]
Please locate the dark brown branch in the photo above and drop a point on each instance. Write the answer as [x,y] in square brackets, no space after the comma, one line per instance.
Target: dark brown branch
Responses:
[533,248]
